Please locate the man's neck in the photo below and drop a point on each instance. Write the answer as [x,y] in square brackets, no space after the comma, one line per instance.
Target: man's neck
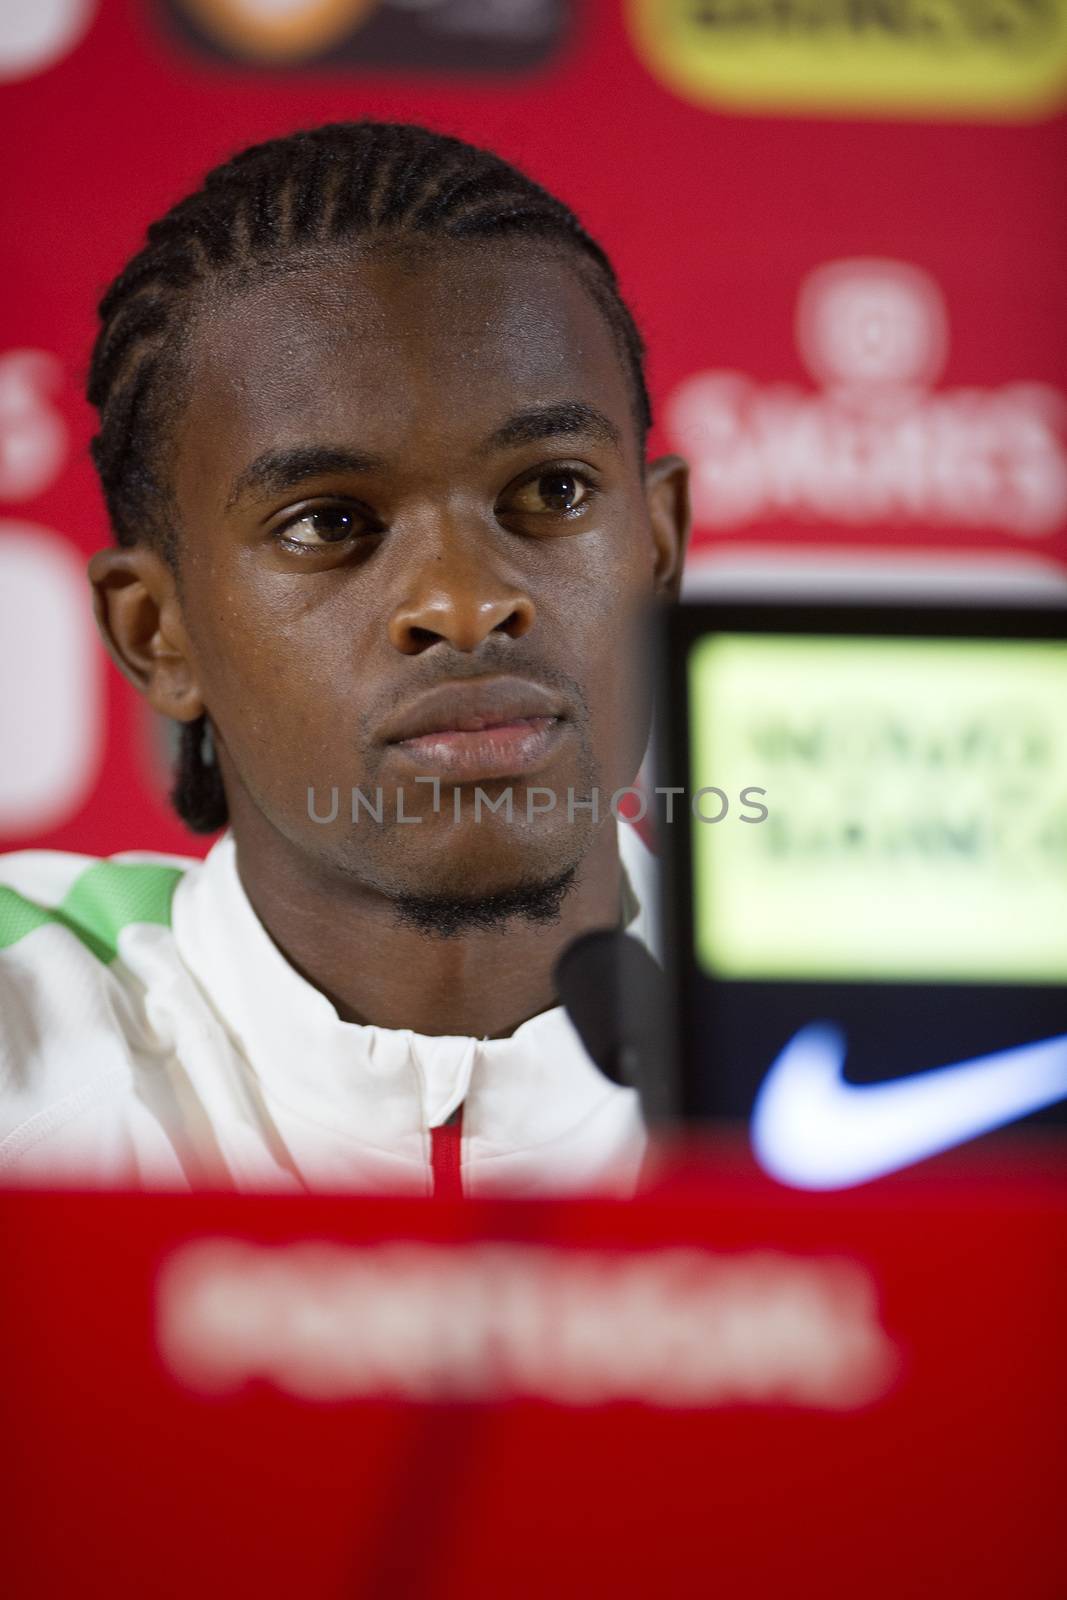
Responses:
[345,939]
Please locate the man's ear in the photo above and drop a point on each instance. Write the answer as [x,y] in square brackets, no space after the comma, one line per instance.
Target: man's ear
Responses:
[135,598]
[670,518]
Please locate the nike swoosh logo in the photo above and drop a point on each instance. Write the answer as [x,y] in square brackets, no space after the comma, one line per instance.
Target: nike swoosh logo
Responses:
[813,1130]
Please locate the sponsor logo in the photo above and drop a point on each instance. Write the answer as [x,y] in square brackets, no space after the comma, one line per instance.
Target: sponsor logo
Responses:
[441,35]
[918,827]
[35,34]
[287,30]
[918,58]
[877,442]
[812,1130]
[52,724]
[51,729]
[674,1327]
[33,434]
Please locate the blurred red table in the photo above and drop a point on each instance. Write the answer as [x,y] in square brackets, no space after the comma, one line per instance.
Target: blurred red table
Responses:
[450,1398]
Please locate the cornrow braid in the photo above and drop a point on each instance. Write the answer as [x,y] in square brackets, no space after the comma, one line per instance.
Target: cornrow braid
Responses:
[342,181]
[198,795]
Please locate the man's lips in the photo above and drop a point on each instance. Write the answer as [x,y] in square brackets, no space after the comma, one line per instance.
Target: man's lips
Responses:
[478,728]
[500,750]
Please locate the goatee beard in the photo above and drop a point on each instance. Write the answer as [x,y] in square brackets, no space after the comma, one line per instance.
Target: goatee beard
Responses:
[443,916]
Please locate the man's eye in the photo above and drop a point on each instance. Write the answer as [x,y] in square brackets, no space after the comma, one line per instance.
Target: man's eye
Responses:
[316,529]
[559,490]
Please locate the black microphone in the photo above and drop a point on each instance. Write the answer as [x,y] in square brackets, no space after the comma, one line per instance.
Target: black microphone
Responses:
[616,996]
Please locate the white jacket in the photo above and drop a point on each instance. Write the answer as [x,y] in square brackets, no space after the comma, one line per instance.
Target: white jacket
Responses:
[152,1034]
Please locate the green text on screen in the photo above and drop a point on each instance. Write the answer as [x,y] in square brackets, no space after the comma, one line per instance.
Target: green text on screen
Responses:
[917,798]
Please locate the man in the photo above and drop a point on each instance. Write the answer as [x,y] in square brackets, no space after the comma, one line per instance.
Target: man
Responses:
[372,439]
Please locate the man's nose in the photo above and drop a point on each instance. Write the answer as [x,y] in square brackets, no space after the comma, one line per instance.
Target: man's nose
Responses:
[457,597]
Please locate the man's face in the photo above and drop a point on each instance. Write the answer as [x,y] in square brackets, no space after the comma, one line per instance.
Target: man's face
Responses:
[414,540]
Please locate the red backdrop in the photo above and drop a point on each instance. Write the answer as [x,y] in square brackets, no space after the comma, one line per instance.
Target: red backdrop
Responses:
[850,281]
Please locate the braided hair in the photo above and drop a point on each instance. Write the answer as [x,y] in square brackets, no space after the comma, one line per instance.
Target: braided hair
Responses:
[368,180]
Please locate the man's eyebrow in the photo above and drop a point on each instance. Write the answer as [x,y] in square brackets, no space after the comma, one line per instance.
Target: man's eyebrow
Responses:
[277,470]
[541,422]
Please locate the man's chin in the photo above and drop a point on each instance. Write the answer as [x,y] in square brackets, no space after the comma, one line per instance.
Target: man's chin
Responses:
[448,915]
[474,861]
